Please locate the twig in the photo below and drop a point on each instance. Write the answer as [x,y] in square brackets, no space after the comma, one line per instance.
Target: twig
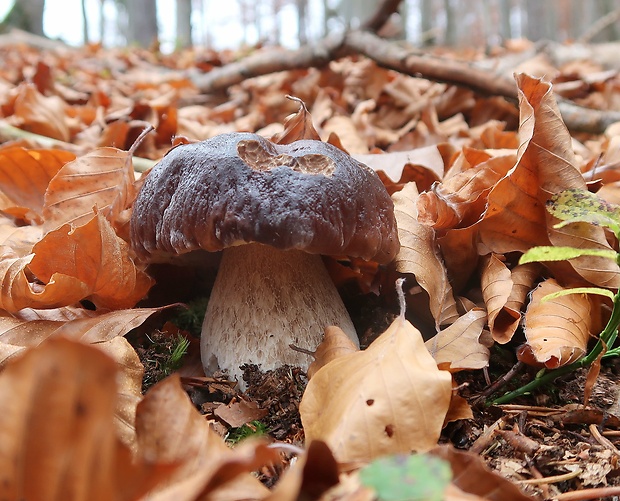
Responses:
[8,132]
[585,494]
[599,25]
[514,370]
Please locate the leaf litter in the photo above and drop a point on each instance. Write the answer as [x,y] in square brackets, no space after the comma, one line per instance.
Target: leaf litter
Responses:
[471,192]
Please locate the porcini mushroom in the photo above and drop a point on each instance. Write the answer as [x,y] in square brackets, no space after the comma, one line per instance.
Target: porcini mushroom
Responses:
[273,210]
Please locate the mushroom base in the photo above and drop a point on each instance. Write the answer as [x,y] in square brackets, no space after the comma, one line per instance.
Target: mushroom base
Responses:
[262,301]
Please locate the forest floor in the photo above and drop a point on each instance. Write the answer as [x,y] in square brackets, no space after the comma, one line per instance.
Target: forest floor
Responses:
[470,173]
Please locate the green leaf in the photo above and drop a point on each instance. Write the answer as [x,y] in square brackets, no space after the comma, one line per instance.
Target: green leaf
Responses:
[579,290]
[550,253]
[580,206]
[407,478]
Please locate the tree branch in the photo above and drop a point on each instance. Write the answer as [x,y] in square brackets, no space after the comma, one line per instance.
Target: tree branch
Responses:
[397,58]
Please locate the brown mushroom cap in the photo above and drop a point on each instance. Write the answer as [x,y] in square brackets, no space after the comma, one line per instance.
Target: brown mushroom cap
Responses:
[240,187]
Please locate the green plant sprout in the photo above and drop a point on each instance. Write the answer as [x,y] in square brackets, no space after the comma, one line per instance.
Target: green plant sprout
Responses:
[577,206]
[251,429]
[178,351]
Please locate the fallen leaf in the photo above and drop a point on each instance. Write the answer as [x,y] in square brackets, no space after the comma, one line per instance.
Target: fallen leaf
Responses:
[41,115]
[103,179]
[239,412]
[24,176]
[171,430]
[471,476]
[389,398]
[93,255]
[336,343]
[419,256]
[458,346]
[76,385]
[297,126]
[557,330]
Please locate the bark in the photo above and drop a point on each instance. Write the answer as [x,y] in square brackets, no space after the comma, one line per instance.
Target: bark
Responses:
[184,23]
[142,17]
[25,15]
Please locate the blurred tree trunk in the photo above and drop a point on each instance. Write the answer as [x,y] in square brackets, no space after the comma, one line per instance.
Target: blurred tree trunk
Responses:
[302,23]
[452,35]
[504,16]
[427,23]
[184,23]
[26,15]
[142,20]
[85,34]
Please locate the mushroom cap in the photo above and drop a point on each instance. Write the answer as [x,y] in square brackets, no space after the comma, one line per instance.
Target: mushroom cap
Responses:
[239,188]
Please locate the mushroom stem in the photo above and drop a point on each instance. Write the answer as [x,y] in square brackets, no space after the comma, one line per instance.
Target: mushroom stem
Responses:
[262,301]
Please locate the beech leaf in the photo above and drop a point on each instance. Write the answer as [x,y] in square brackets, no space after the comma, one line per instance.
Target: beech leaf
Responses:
[390,398]
[557,330]
[419,255]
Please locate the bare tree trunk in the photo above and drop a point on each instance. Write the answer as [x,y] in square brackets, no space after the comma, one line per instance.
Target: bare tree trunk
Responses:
[85,35]
[451,36]
[142,17]
[504,15]
[427,24]
[26,15]
[302,7]
[184,23]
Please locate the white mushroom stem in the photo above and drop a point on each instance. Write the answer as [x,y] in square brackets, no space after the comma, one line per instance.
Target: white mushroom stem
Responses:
[262,301]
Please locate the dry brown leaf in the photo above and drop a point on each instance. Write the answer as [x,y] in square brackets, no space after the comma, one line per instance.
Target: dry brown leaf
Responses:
[516,219]
[309,477]
[171,430]
[95,256]
[19,238]
[335,344]
[471,475]
[297,126]
[76,385]
[460,254]
[424,166]
[239,412]
[103,331]
[24,177]
[458,346]
[390,398]
[557,330]
[42,115]
[419,255]
[504,319]
[496,285]
[350,138]
[102,179]
[461,199]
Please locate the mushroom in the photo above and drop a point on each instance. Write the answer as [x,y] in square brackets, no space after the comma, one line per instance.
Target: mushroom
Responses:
[273,210]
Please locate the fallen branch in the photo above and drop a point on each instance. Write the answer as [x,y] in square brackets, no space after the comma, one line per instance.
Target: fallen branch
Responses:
[395,57]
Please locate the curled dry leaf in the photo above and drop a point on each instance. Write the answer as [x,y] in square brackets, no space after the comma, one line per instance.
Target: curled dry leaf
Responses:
[504,292]
[515,218]
[24,177]
[424,166]
[419,256]
[336,343]
[461,199]
[557,330]
[76,385]
[103,331]
[102,179]
[41,115]
[171,430]
[309,477]
[96,257]
[390,398]
[471,476]
[297,126]
[458,346]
